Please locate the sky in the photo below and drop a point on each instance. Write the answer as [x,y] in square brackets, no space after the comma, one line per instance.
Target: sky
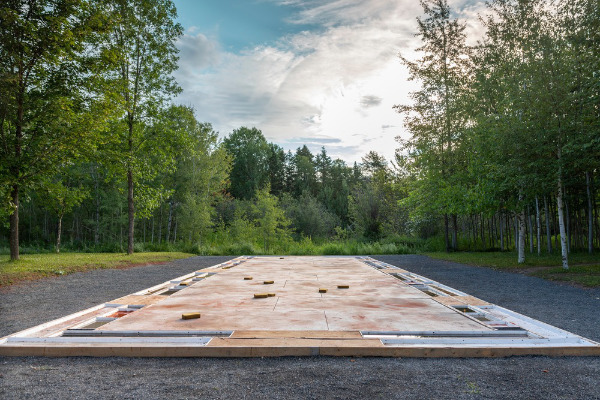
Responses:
[314,72]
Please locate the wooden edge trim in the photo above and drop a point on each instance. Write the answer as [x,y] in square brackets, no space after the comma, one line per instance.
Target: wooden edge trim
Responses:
[287,351]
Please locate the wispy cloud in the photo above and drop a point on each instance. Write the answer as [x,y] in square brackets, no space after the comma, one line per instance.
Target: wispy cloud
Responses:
[334,85]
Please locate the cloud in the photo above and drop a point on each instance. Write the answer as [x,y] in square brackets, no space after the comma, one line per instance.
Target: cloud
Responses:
[334,85]
[196,51]
[370,101]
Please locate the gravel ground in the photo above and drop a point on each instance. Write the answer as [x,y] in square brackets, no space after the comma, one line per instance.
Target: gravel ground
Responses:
[574,309]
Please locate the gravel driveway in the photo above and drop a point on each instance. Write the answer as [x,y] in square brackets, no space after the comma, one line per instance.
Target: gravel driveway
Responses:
[574,309]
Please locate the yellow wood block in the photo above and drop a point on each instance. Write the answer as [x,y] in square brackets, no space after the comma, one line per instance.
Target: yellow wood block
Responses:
[322,290]
[192,315]
[343,286]
[261,295]
[248,278]
[269,282]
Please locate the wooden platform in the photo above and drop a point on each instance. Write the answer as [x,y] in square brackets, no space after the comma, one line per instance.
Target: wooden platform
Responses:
[346,306]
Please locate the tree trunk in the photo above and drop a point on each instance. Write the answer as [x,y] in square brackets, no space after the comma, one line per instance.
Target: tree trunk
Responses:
[548,236]
[521,251]
[454,233]
[501,232]
[530,227]
[568,222]
[160,225]
[130,211]
[72,231]
[482,226]
[446,238]
[58,233]
[590,214]
[121,227]
[508,233]
[561,225]
[15,170]
[130,204]
[538,226]
[169,220]
[516,233]
[555,227]
[14,224]
[31,211]
[97,214]
[175,231]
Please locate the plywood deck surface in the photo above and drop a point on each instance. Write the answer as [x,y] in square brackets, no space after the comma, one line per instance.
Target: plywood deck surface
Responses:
[384,311]
[373,301]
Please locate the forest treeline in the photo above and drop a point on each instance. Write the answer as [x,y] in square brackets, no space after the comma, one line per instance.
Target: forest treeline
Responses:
[503,153]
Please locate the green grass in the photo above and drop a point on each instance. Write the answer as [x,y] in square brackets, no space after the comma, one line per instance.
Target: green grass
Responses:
[547,266]
[304,248]
[508,260]
[586,275]
[36,266]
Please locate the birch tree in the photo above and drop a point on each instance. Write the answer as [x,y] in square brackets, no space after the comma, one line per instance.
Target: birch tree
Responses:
[437,118]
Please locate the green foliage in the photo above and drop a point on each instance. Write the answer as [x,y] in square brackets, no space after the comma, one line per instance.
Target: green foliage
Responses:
[60,198]
[199,181]
[251,154]
[140,54]
[495,129]
[270,219]
[49,106]
[309,217]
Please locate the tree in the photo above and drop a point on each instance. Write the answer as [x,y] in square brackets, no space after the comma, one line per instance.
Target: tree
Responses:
[373,164]
[201,177]
[304,177]
[309,217]
[61,197]
[536,118]
[276,169]
[270,218]
[365,209]
[250,152]
[437,118]
[140,49]
[48,107]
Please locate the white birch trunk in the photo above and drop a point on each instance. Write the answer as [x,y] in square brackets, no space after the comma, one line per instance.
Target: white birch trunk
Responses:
[548,236]
[561,225]
[590,214]
[501,232]
[538,226]
[522,233]
[530,228]
[169,220]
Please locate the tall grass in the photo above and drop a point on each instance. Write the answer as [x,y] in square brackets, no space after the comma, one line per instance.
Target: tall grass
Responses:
[222,245]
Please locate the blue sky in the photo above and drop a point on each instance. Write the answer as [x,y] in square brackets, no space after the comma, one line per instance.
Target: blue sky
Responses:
[315,72]
[238,25]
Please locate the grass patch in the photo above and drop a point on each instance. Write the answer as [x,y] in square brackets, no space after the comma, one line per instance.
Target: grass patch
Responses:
[584,268]
[36,266]
[586,275]
[508,260]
